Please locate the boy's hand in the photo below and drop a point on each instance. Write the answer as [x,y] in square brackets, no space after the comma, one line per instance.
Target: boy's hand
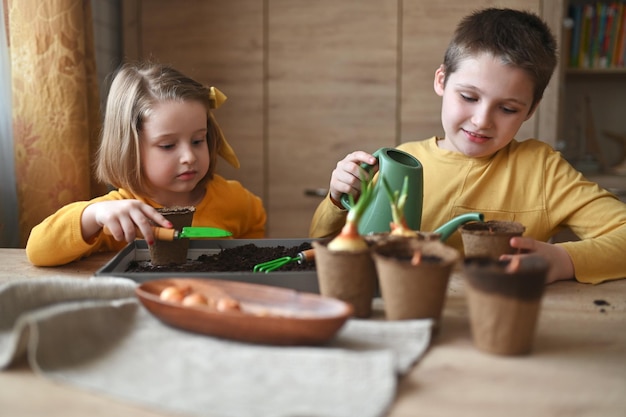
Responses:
[346,177]
[561,266]
[122,218]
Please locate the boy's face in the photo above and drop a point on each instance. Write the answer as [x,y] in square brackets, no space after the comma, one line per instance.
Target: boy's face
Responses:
[484,103]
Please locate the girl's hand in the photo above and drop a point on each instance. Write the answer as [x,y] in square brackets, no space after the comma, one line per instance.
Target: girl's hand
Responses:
[561,265]
[346,177]
[122,218]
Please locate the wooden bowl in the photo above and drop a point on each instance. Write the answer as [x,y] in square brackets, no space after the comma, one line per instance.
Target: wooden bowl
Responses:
[267,315]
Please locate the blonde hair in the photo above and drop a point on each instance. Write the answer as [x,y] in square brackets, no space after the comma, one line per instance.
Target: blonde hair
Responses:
[135,89]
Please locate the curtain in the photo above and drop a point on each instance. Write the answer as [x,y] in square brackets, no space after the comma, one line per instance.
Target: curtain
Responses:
[9,235]
[56,117]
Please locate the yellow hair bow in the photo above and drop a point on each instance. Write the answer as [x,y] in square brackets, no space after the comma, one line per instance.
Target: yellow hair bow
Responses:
[216,98]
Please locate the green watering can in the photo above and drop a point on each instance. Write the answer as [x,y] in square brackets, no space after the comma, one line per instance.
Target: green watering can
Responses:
[394,165]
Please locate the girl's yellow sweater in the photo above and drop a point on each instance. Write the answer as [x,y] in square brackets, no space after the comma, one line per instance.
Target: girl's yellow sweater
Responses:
[226,205]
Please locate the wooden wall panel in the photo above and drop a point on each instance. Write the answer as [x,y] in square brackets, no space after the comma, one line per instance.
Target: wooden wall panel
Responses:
[550,113]
[332,74]
[426,30]
[220,44]
[310,81]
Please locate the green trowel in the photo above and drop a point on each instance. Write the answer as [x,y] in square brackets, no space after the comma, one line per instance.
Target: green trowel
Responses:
[190,232]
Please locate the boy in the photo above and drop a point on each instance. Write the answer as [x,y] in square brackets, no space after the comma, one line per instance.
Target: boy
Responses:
[495,70]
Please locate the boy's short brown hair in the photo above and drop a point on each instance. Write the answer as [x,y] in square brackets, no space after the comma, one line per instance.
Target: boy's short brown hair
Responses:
[520,38]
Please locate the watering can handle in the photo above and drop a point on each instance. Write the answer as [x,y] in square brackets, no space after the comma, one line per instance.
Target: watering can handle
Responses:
[345,198]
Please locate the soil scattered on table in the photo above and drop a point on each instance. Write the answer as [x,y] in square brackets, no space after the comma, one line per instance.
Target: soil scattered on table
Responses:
[600,303]
[238,259]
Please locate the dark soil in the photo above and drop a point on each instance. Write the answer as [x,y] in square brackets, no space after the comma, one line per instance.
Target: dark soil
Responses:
[239,259]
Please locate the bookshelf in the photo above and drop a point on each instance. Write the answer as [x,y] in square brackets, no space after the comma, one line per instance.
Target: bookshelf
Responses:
[593,86]
[596,37]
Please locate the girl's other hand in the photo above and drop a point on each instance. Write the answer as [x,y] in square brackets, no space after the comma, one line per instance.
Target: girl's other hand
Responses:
[561,265]
[122,218]
[346,177]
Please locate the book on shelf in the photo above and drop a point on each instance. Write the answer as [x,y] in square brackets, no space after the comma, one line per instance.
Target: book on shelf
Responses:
[596,34]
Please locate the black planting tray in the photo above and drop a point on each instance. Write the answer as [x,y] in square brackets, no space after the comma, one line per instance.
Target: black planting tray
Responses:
[305,281]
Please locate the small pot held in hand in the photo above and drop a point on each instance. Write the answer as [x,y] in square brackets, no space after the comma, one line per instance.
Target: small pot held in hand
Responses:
[504,299]
[489,239]
[172,252]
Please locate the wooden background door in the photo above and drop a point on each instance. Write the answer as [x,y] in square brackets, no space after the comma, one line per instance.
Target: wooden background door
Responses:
[307,81]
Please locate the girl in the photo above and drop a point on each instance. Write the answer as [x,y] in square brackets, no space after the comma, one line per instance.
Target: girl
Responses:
[159,149]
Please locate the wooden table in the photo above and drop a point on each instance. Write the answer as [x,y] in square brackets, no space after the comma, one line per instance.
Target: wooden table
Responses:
[577,368]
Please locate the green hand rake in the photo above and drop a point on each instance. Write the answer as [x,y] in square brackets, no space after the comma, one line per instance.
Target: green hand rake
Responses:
[269,266]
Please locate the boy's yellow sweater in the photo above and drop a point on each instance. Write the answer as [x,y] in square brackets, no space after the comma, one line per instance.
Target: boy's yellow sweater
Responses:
[527,182]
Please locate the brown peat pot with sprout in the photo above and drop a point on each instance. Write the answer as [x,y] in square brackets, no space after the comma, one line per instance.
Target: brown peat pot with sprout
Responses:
[345,269]
[413,276]
[347,275]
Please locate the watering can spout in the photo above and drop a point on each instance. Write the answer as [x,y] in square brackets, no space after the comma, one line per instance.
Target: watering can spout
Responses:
[450,227]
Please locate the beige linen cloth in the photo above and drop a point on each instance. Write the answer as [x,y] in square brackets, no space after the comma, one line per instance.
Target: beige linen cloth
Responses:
[96,335]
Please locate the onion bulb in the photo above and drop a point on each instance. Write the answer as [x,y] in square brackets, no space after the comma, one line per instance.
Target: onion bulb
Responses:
[349,238]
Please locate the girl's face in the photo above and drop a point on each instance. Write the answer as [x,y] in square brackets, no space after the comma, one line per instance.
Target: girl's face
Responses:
[484,103]
[174,151]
